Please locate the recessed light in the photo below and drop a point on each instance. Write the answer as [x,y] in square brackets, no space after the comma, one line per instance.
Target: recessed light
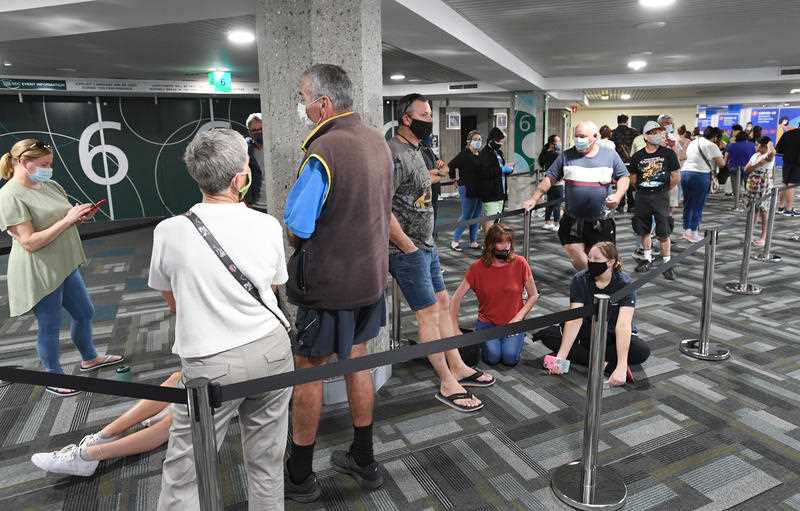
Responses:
[7,64]
[66,69]
[656,4]
[241,36]
[397,76]
[786,104]
[625,96]
[636,65]
[414,80]
[604,97]
[650,25]
[794,91]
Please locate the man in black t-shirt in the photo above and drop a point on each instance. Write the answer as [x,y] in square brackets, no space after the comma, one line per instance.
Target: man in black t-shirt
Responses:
[789,147]
[654,171]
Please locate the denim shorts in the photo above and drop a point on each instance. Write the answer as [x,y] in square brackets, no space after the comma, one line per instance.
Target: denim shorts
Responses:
[419,276]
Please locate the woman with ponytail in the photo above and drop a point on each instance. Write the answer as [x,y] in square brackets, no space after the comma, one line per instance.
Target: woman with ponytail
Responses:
[46,253]
[571,341]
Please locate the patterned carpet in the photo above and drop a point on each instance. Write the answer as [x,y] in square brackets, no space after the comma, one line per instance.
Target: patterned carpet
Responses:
[688,435]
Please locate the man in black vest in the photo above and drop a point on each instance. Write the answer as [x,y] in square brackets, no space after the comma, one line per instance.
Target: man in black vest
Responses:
[337,214]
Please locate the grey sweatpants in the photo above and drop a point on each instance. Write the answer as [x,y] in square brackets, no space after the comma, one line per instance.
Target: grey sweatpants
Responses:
[263,419]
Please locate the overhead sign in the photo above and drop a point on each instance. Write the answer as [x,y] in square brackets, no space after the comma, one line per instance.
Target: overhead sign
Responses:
[220,80]
[32,84]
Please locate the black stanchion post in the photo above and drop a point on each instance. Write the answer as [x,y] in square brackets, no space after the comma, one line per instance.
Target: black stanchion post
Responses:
[766,255]
[396,297]
[526,234]
[204,440]
[743,287]
[582,484]
[699,348]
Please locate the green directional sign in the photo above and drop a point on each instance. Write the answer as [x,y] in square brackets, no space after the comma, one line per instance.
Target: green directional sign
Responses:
[221,80]
[32,84]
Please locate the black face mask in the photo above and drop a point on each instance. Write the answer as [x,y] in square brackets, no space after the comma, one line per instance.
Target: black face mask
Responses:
[259,138]
[495,144]
[421,129]
[502,254]
[596,269]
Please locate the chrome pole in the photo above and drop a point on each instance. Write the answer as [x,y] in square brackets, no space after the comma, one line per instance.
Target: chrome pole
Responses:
[526,236]
[700,348]
[743,287]
[737,190]
[204,441]
[582,484]
[766,255]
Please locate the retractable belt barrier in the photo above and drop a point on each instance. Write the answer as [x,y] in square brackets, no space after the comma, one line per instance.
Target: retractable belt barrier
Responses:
[504,214]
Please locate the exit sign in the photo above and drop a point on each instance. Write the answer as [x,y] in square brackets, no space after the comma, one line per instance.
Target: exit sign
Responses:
[220,80]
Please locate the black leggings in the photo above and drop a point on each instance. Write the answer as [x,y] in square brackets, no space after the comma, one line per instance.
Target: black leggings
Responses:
[638,352]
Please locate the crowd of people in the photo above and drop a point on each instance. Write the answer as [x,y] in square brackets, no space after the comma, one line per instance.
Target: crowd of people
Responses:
[219,266]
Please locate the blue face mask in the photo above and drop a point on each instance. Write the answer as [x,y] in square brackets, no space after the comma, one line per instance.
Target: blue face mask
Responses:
[582,144]
[41,174]
[670,128]
[476,144]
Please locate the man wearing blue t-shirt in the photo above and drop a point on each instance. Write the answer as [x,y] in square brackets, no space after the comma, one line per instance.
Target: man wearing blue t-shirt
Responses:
[588,171]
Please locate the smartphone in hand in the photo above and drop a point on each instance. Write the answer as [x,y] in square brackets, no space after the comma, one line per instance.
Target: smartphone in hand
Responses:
[551,361]
[96,206]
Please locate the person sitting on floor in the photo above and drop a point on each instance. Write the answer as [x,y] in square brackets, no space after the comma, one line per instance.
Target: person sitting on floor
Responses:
[603,275]
[498,279]
[109,442]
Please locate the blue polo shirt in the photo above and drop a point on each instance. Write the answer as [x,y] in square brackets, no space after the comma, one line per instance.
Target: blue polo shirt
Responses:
[739,153]
[306,198]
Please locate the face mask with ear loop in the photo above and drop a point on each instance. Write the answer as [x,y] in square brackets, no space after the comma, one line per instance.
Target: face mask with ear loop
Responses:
[302,112]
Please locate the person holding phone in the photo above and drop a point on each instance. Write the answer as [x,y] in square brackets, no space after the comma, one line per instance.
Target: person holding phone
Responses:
[46,252]
[572,341]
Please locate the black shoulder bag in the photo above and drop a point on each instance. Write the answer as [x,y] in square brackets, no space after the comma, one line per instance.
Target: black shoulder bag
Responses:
[231,266]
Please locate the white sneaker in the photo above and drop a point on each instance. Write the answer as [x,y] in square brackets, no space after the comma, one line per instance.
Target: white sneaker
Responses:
[474,245]
[94,439]
[455,246]
[687,235]
[66,461]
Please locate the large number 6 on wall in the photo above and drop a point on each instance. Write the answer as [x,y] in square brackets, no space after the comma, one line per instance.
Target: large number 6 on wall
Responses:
[86,155]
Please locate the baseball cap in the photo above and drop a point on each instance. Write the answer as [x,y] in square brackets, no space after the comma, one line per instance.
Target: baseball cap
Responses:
[651,125]
[664,116]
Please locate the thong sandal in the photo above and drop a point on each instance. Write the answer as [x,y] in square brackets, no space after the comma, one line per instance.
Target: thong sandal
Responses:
[108,360]
[452,398]
[473,381]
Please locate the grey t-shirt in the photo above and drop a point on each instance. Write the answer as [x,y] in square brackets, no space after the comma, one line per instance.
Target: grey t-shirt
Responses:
[411,199]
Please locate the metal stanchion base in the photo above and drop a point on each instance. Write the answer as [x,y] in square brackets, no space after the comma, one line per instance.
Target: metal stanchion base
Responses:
[771,259]
[4,383]
[736,288]
[610,492]
[691,348]
[794,237]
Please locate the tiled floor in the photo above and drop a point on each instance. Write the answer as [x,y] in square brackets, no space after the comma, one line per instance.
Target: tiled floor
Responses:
[688,435]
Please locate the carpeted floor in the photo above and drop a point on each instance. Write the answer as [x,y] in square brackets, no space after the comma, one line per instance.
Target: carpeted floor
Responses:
[688,435]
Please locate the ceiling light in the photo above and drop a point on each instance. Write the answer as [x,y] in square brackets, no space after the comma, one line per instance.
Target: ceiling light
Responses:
[604,97]
[625,96]
[66,69]
[397,76]
[794,91]
[241,36]
[656,4]
[7,64]
[414,80]
[650,25]
[636,65]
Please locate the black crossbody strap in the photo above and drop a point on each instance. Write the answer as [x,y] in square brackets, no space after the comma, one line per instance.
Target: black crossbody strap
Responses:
[240,277]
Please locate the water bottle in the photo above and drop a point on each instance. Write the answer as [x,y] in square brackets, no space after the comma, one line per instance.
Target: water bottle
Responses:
[123,373]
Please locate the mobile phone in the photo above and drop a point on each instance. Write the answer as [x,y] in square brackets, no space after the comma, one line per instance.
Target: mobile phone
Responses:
[96,206]
[551,361]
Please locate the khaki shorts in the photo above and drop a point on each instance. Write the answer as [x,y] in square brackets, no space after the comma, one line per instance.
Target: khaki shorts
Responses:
[492,208]
[673,197]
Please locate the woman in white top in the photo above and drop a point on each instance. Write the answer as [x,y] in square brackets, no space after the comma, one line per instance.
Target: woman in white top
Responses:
[605,138]
[703,156]
[759,172]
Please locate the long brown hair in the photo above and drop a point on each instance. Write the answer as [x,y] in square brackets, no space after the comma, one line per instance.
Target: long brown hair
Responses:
[29,148]
[609,250]
[497,233]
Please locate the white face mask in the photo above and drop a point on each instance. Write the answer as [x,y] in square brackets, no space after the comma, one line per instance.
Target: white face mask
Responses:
[656,139]
[301,112]
[476,144]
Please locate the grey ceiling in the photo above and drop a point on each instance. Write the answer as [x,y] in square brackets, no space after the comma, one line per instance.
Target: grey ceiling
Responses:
[694,93]
[590,37]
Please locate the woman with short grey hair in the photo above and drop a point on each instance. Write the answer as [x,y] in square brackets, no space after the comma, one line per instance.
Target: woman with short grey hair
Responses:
[216,267]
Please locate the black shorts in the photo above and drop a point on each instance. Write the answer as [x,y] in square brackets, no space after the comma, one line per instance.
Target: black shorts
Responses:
[791,174]
[650,206]
[324,332]
[589,232]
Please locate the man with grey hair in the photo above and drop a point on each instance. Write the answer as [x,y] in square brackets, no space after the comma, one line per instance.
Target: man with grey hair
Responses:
[224,331]
[337,214]
[588,171]
[256,197]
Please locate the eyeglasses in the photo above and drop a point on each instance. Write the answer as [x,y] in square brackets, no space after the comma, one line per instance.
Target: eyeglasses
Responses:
[36,145]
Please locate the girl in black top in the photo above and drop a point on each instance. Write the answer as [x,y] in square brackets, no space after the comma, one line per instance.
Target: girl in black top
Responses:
[546,158]
[466,163]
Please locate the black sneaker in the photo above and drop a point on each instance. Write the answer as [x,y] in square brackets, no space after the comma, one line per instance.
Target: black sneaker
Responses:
[369,477]
[638,254]
[670,274]
[643,266]
[781,210]
[308,491]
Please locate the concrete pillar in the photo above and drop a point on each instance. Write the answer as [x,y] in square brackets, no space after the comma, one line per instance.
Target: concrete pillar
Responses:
[292,35]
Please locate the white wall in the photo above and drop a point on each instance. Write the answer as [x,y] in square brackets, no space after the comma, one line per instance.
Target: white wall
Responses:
[681,115]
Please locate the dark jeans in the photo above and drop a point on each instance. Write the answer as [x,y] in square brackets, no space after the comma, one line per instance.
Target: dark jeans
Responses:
[554,212]
[638,351]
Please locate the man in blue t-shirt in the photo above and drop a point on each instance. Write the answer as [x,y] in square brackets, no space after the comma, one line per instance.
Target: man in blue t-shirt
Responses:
[588,171]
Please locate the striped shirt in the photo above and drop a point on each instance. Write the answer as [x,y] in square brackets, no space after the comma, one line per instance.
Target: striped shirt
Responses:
[587,179]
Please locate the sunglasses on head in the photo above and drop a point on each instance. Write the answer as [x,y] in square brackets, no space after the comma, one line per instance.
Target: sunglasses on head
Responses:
[36,145]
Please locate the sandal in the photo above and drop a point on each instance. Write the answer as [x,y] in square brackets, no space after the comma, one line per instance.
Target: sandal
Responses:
[58,391]
[452,398]
[108,360]
[473,381]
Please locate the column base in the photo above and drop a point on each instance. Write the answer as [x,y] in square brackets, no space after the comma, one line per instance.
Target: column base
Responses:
[749,289]
[772,258]
[691,348]
[610,490]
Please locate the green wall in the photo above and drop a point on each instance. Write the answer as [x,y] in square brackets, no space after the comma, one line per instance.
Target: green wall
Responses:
[150,135]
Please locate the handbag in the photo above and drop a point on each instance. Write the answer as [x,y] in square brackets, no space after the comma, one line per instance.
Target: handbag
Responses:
[716,180]
[240,277]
